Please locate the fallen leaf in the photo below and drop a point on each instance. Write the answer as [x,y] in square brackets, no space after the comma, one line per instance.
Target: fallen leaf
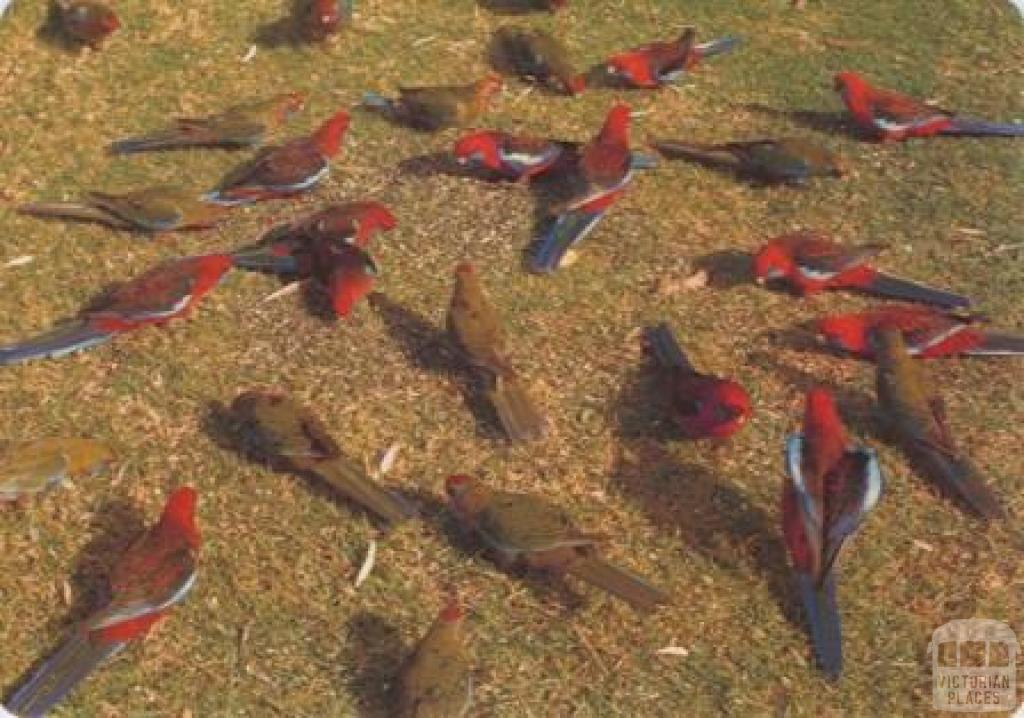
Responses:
[672,651]
[696,280]
[371,557]
[250,54]
[284,291]
[68,594]
[923,546]
[19,261]
[387,461]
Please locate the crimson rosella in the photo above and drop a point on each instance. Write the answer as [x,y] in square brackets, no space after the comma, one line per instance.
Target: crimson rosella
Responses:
[278,429]
[538,55]
[892,116]
[703,406]
[168,291]
[284,170]
[319,19]
[811,262]
[87,21]
[787,160]
[435,107]
[30,468]
[154,574]
[523,530]
[915,417]
[927,332]
[244,125]
[832,484]
[598,179]
[476,327]
[659,63]
[151,210]
[436,679]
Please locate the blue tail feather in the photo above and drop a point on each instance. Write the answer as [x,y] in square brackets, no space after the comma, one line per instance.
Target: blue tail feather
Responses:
[561,234]
[719,46]
[58,342]
[376,102]
[981,128]
[266,262]
[823,617]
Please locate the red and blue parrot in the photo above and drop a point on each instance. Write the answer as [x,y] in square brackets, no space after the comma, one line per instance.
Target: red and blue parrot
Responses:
[284,170]
[703,406]
[659,63]
[892,116]
[927,332]
[592,185]
[811,262]
[832,485]
[168,291]
[154,574]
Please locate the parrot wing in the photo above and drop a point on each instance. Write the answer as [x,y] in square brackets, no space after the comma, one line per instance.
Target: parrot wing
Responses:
[153,211]
[821,261]
[851,490]
[160,294]
[517,523]
[24,469]
[896,111]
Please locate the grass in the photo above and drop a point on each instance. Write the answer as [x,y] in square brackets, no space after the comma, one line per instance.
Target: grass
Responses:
[275,624]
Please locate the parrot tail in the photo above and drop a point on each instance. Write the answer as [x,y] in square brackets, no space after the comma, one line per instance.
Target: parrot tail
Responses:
[263,261]
[377,102]
[896,288]
[516,411]
[65,339]
[711,155]
[662,343]
[718,47]
[561,234]
[353,483]
[980,128]
[823,617]
[60,673]
[959,478]
[74,211]
[634,590]
[994,344]
[170,141]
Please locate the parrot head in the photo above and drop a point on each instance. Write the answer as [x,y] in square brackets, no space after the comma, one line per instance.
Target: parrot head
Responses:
[821,414]
[328,138]
[288,105]
[576,84]
[733,409]
[459,485]
[108,21]
[848,332]
[774,261]
[850,84]
[616,125]
[468,496]
[490,84]
[479,148]
[180,514]
[373,217]
[453,612]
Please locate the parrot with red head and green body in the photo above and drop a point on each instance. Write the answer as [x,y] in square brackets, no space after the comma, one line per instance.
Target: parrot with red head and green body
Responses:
[168,291]
[927,332]
[154,574]
[87,21]
[892,116]
[703,406]
[811,262]
[537,55]
[832,485]
[438,106]
[284,170]
[244,125]
[523,530]
[659,63]
[31,468]
[788,160]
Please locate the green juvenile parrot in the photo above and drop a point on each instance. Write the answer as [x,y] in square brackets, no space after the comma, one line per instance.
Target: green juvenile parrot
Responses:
[435,107]
[525,530]
[435,681]
[29,468]
[538,55]
[280,430]
[476,327]
[787,161]
[916,418]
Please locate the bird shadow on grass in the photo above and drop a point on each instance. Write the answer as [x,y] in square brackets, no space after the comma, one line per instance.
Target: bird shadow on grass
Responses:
[726,269]
[832,123]
[510,7]
[713,517]
[52,32]
[285,31]
[375,651]
[434,164]
[427,347]
[113,527]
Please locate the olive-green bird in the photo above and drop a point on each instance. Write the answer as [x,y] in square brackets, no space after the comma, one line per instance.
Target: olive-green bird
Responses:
[29,468]
[538,55]
[279,430]
[151,210]
[916,418]
[436,681]
[435,107]
[476,327]
[526,531]
[789,160]
[245,125]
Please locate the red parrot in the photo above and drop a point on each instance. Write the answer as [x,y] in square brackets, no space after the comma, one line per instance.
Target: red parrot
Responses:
[515,157]
[345,272]
[892,116]
[832,485]
[153,575]
[927,332]
[284,170]
[599,178]
[659,63]
[167,291]
[322,18]
[703,406]
[282,249]
[811,262]
[87,21]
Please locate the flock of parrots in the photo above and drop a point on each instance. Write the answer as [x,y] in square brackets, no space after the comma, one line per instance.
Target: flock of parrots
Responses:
[832,482]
